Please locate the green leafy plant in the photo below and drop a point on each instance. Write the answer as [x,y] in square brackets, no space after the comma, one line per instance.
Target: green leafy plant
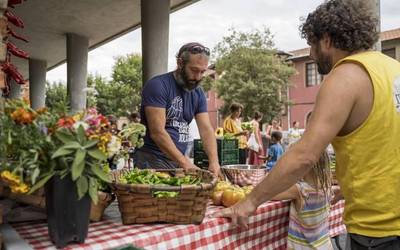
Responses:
[80,158]
[134,133]
[25,144]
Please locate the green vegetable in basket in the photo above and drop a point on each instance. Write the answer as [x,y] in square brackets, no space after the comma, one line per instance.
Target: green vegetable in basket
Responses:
[137,176]
[165,194]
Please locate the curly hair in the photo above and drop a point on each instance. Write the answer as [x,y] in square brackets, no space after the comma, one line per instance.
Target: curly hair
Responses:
[351,24]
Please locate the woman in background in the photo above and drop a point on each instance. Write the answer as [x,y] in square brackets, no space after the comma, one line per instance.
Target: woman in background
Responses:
[232,125]
[253,155]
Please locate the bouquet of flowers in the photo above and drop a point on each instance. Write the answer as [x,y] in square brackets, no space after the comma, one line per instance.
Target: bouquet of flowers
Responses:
[25,143]
[84,142]
[36,145]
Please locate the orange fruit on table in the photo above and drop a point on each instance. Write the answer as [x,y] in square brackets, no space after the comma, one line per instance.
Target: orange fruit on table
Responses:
[231,196]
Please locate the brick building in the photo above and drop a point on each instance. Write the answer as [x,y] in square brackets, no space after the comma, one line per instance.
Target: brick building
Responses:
[305,84]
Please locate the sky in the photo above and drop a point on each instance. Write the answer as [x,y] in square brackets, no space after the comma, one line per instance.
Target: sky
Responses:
[208,21]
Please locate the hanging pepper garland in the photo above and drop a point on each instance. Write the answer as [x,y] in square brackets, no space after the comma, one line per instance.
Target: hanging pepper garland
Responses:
[10,70]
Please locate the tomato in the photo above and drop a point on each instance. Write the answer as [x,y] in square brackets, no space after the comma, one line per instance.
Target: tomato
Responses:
[217,197]
[222,185]
[231,196]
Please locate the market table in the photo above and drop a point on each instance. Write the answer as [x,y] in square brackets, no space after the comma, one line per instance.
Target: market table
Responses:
[267,230]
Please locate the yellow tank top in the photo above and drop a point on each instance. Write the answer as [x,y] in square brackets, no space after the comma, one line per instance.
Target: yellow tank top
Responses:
[368,159]
[233,127]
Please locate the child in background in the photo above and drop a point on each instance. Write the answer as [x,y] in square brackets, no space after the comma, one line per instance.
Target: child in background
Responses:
[275,150]
[309,210]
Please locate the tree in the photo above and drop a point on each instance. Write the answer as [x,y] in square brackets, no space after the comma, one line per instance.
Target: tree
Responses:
[251,73]
[56,97]
[111,98]
[127,70]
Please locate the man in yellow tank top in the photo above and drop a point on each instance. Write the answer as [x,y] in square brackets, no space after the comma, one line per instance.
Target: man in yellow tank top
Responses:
[357,110]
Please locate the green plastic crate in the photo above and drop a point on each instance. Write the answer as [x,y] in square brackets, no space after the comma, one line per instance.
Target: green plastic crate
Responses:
[221,144]
[225,157]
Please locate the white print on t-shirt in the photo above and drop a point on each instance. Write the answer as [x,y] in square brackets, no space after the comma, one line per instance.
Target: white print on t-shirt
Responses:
[396,93]
[175,111]
[174,115]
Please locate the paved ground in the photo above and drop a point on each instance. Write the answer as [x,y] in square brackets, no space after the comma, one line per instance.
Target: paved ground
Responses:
[341,240]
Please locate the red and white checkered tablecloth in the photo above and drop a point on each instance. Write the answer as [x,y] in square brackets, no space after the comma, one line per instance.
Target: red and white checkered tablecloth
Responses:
[267,230]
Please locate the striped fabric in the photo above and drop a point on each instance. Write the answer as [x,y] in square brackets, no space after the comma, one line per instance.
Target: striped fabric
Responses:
[309,227]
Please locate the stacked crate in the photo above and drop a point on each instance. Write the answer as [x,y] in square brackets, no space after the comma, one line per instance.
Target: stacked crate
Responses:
[228,153]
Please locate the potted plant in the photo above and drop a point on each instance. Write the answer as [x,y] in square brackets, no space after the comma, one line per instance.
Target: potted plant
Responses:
[64,154]
[83,143]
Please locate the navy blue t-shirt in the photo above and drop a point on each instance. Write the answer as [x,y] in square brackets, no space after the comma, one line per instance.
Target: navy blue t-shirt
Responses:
[180,107]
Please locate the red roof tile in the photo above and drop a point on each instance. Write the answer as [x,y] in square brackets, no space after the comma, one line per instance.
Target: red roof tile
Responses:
[390,34]
[385,36]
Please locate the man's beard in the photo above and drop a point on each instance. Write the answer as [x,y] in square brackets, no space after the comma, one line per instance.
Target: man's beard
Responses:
[324,62]
[184,81]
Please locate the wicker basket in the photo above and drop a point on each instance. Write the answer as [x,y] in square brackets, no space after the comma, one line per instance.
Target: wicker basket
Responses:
[37,199]
[137,203]
[97,210]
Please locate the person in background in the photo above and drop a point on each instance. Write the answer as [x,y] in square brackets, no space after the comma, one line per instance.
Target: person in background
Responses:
[113,123]
[169,103]
[193,135]
[294,132]
[274,126]
[275,150]
[309,208]
[253,155]
[232,125]
[359,93]
[135,117]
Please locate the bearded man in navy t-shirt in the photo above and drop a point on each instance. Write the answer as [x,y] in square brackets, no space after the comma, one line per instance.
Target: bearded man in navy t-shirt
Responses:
[169,103]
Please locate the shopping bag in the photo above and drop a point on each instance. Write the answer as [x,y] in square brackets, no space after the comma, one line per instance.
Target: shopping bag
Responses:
[252,143]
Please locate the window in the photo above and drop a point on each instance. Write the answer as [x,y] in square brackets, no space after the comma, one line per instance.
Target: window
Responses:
[390,52]
[312,76]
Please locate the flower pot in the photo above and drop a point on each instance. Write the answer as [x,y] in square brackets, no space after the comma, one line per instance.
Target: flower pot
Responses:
[67,217]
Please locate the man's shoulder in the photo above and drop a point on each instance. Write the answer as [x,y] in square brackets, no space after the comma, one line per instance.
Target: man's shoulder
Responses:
[166,77]
[160,85]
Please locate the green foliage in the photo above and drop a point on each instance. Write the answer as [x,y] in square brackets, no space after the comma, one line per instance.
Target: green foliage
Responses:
[114,98]
[134,133]
[56,97]
[81,158]
[25,142]
[118,97]
[127,70]
[251,73]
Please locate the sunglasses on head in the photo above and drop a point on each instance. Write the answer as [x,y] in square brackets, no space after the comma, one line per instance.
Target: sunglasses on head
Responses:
[198,49]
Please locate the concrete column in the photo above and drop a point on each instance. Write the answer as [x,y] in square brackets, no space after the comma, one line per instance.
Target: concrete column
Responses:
[397,50]
[77,57]
[37,83]
[155,35]
[15,90]
[376,5]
